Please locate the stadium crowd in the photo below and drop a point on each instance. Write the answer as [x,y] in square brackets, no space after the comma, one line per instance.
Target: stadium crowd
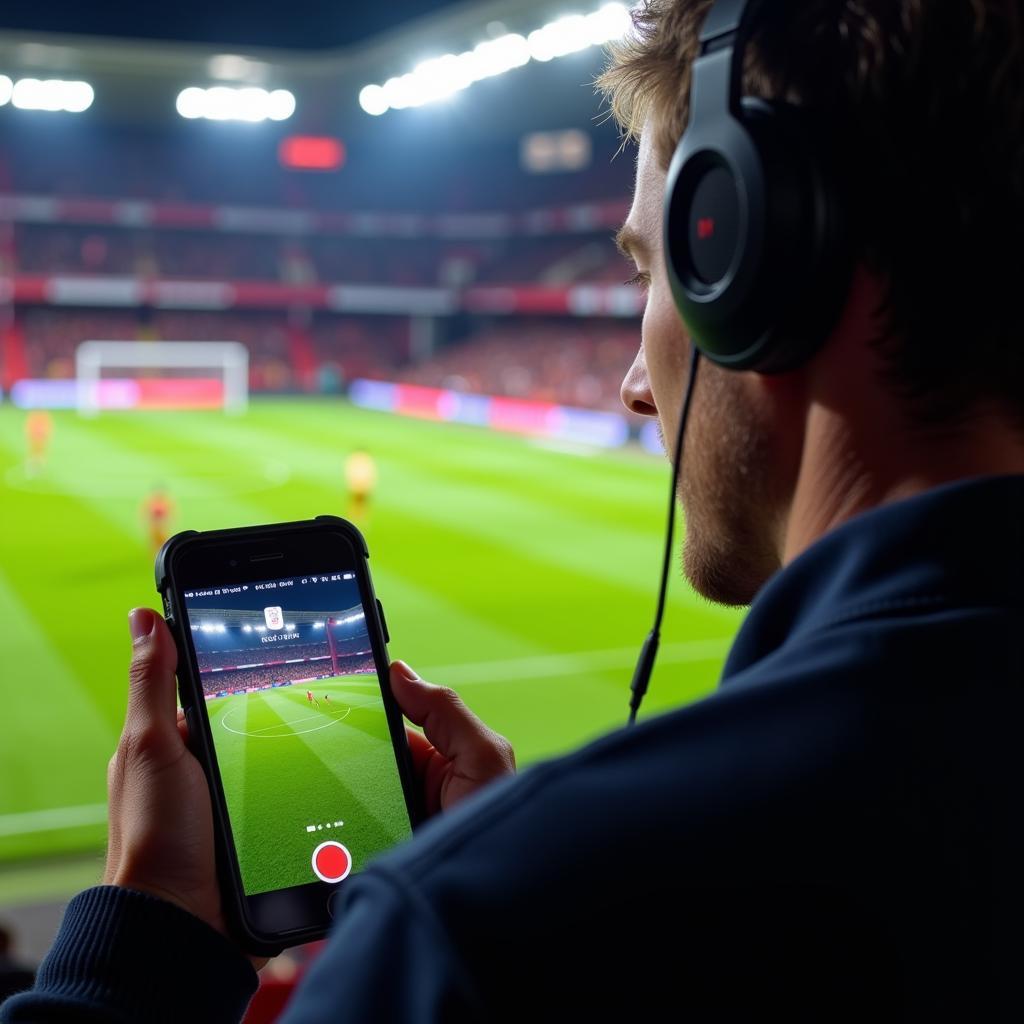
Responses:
[224,256]
[233,680]
[270,654]
[578,363]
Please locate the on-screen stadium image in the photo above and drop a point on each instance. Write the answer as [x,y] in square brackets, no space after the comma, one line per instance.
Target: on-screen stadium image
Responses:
[299,728]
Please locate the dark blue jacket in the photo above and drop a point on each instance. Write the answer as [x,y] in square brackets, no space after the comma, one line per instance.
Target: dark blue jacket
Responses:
[834,834]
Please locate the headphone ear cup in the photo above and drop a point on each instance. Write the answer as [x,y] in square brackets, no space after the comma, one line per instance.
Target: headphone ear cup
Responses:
[770,302]
[807,262]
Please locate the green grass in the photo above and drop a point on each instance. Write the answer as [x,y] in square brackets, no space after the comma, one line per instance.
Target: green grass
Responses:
[522,576]
[287,765]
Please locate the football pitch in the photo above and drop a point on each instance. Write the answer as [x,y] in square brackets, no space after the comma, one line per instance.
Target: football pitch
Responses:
[523,576]
[290,766]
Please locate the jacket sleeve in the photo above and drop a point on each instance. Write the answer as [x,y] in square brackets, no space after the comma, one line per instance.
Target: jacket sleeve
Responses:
[122,956]
[389,960]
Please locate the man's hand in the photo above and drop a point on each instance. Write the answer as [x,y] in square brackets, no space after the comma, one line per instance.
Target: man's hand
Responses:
[161,821]
[456,754]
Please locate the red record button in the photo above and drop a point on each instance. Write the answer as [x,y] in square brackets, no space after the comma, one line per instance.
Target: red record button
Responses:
[331,862]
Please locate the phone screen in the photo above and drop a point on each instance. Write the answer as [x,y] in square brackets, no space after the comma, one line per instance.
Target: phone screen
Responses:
[298,723]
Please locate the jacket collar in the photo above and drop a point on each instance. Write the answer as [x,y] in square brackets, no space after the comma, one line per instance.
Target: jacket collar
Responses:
[957,545]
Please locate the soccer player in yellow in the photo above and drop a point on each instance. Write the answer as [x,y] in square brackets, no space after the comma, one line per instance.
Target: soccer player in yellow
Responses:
[360,480]
[38,431]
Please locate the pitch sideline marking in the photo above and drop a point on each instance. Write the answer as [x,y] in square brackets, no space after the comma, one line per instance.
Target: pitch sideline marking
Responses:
[52,819]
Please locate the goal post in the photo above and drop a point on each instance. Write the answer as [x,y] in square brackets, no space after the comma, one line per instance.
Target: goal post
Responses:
[98,387]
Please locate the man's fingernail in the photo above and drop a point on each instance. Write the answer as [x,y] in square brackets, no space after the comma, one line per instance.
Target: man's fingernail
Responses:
[140,623]
[406,671]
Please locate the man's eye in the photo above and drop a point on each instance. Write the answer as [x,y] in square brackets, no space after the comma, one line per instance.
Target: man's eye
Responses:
[642,279]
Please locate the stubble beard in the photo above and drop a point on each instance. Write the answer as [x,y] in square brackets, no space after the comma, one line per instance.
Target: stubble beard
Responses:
[727,498]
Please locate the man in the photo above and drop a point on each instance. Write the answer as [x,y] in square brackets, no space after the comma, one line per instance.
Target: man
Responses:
[836,833]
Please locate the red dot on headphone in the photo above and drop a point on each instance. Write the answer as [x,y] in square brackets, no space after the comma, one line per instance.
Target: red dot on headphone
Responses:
[705,227]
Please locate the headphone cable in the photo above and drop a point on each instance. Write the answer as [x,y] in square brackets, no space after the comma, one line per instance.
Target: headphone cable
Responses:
[649,651]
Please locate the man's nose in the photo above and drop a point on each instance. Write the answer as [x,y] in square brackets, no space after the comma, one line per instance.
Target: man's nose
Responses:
[636,388]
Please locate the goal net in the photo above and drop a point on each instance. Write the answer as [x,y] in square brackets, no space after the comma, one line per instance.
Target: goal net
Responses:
[161,375]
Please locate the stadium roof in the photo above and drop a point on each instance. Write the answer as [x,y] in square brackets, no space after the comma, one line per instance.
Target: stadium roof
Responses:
[323,52]
[297,25]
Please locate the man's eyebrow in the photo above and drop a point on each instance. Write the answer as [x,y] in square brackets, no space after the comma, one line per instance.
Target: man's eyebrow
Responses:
[630,242]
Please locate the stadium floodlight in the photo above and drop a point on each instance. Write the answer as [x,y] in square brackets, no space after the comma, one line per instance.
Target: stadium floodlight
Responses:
[281,105]
[190,102]
[53,94]
[7,90]
[373,100]
[318,625]
[260,629]
[289,626]
[228,103]
[247,629]
[442,77]
[559,38]
[205,627]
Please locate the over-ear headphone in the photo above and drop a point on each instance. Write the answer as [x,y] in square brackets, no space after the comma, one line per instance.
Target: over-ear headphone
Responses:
[756,244]
[755,240]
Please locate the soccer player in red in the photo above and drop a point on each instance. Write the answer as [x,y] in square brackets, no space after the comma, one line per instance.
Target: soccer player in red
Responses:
[158,511]
[312,700]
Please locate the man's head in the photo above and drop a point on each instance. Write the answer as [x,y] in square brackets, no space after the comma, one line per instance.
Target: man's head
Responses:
[925,104]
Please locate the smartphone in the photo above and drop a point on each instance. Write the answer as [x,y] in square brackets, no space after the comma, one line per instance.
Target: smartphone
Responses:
[283,677]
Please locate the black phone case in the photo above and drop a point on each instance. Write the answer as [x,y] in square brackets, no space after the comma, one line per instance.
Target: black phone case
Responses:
[201,740]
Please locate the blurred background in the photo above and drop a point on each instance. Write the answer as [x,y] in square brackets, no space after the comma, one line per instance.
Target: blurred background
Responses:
[252,257]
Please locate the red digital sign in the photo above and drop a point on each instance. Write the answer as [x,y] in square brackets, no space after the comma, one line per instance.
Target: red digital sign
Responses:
[312,153]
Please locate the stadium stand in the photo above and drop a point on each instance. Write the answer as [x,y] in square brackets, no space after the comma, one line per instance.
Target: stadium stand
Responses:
[358,645]
[575,363]
[249,655]
[166,164]
[520,297]
[231,681]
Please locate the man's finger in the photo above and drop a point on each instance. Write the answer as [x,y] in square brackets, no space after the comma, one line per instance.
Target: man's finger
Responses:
[448,724]
[420,747]
[152,694]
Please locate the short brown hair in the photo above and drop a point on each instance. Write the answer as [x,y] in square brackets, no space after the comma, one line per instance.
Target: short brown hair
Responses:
[925,103]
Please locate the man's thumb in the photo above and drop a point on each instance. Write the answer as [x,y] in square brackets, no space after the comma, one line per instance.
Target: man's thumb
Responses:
[151,692]
[455,732]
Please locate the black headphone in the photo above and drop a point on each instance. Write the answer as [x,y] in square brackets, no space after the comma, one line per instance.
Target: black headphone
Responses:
[756,244]
[755,240]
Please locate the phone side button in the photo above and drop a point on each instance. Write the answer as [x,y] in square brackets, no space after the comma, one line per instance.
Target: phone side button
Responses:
[333,903]
[383,622]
